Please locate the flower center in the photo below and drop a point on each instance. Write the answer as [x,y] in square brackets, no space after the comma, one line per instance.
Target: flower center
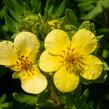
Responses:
[72,59]
[23,63]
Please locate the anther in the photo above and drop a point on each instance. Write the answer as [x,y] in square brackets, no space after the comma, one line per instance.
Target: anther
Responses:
[72,49]
[22,56]
[17,62]
[26,58]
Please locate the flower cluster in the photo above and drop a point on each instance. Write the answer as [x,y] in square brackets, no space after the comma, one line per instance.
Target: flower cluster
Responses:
[67,59]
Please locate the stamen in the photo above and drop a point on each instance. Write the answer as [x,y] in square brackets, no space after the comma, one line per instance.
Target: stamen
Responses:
[23,63]
[72,59]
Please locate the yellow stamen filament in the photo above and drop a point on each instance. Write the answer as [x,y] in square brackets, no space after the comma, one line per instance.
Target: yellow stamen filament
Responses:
[23,63]
[24,66]
[72,59]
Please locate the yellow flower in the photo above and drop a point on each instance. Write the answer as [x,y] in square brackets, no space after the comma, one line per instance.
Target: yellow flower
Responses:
[70,59]
[53,24]
[20,56]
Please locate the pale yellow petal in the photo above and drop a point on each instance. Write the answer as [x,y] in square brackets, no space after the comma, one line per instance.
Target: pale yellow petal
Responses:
[8,56]
[84,41]
[32,81]
[27,44]
[56,41]
[49,63]
[65,81]
[92,68]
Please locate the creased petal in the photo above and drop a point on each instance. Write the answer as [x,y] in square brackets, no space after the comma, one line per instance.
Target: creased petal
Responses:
[84,41]
[65,81]
[32,81]
[56,41]
[49,63]
[93,68]
[27,44]
[8,56]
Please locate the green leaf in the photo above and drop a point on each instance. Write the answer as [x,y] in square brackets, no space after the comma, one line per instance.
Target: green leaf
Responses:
[48,5]
[36,5]
[86,6]
[85,24]
[104,30]
[81,1]
[42,97]
[88,25]
[3,98]
[71,17]
[106,67]
[4,105]
[102,77]
[15,16]
[23,98]
[37,108]
[74,107]
[61,9]
[15,75]
[105,3]
[92,27]
[94,12]
[99,37]
[85,93]
[105,53]
[16,6]
[70,29]
[50,10]
[78,92]
[10,23]
[85,81]
[16,9]
[83,97]
[3,12]
[3,71]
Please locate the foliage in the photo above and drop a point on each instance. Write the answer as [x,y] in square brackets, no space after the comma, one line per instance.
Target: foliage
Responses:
[33,16]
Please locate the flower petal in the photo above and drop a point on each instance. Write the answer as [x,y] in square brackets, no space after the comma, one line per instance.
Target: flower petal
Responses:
[56,41]
[65,81]
[85,41]
[8,56]
[49,63]
[32,81]
[93,68]
[27,44]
